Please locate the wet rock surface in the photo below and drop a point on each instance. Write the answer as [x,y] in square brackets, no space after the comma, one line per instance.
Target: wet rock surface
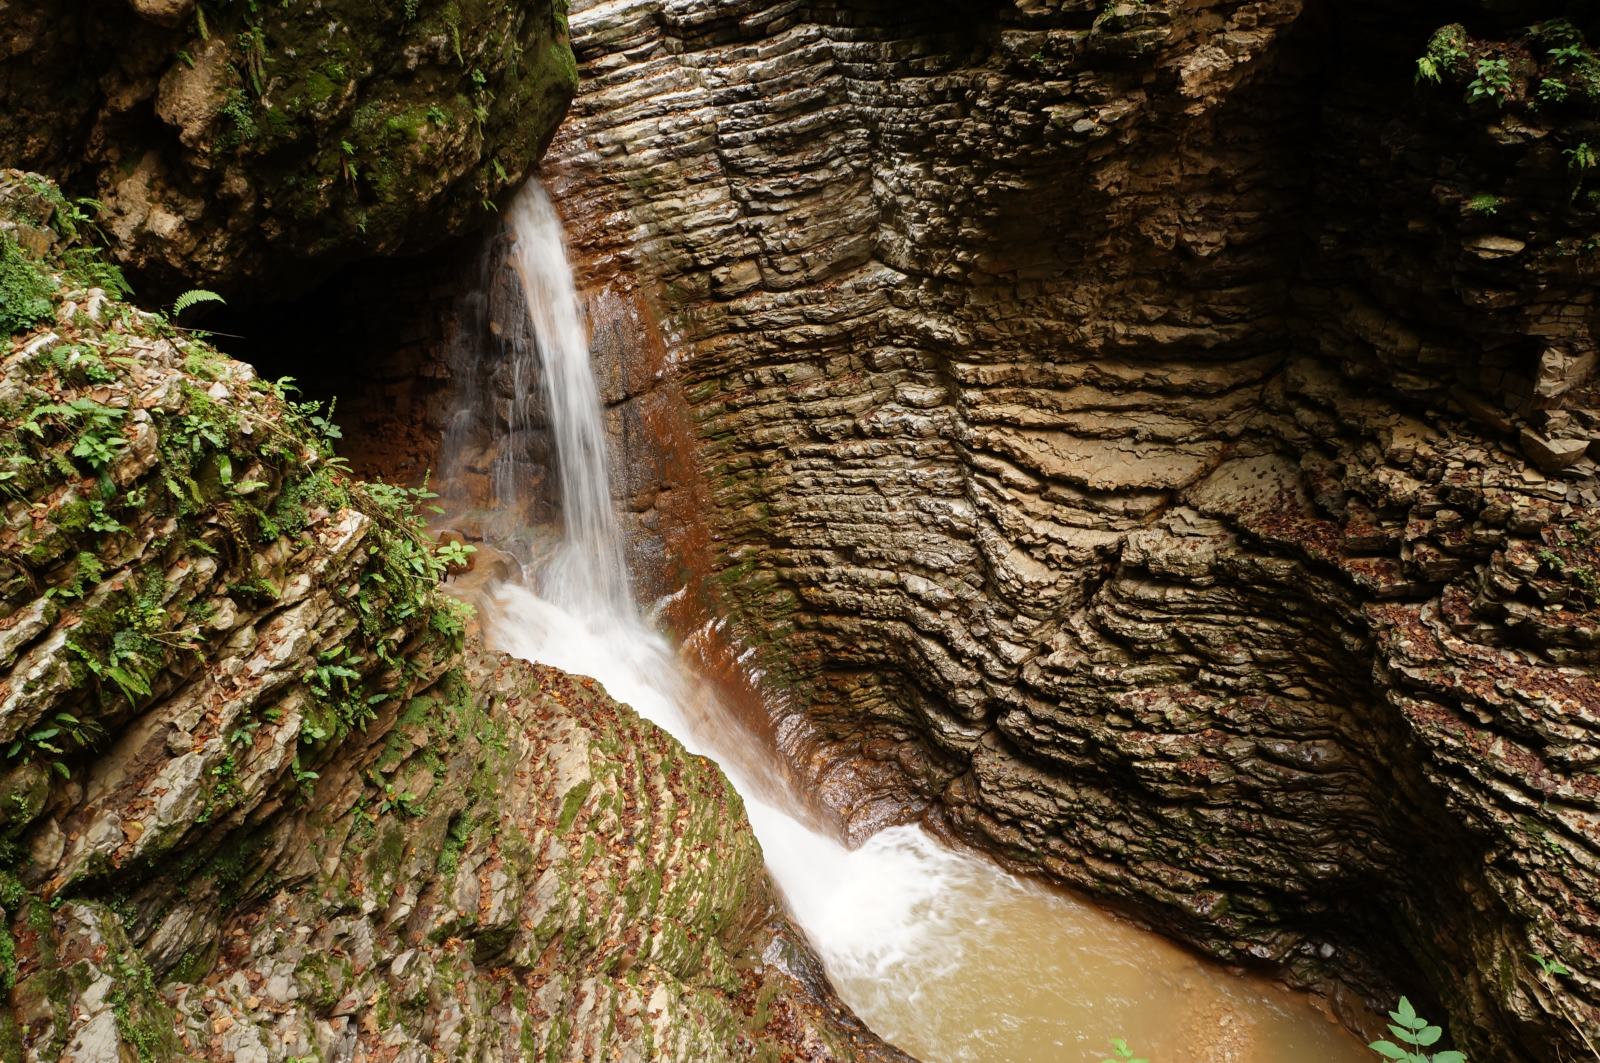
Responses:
[1129,444]
[265,798]
[256,147]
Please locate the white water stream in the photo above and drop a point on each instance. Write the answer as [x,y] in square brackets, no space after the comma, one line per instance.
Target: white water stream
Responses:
[940,952]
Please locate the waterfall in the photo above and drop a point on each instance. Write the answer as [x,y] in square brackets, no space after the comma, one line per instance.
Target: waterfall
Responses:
[937,950]
[573,609]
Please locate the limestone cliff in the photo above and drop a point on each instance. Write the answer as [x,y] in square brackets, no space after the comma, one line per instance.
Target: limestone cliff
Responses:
[262,797]
[1158,438]
[255,146]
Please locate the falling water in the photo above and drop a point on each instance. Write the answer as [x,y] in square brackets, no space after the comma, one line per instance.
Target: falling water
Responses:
[939,951]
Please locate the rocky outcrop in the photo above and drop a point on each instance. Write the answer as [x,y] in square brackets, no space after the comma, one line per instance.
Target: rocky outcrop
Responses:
[1143,448]
[261,796]
[255,147]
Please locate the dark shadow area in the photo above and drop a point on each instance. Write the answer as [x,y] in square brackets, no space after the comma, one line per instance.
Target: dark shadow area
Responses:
[369,341]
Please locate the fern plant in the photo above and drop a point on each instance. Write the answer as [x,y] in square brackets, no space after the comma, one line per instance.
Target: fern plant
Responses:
[194,297]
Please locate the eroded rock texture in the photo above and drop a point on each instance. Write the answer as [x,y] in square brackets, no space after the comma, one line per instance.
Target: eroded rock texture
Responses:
[1139,440]
[256,800]
[256,146]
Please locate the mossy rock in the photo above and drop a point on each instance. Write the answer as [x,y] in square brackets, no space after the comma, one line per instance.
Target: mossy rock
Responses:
[280,140]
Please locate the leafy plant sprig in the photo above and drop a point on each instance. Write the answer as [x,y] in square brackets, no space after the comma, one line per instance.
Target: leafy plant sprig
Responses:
[1415,1033]
[194,297]
[1121,1053]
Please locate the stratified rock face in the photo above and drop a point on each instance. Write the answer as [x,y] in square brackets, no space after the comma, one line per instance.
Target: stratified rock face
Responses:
[256,146]
[257,802]
[1139,440]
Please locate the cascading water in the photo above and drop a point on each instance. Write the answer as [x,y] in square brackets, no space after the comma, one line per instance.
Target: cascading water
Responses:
[939,951]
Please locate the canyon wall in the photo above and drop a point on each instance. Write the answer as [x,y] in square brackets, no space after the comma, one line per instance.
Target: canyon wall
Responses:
[1154,439]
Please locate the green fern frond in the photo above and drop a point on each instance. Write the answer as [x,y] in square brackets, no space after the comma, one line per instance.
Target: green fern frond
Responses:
[193,297]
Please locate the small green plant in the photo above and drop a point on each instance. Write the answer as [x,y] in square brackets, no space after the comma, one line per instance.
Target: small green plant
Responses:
[1570,54]
[68,216]
[88,266]
[305,781]
[1415,1033]
[24,290]
[327,672]
[57,736]
[86,572]
[1484,204]
[245,733]
[100,437]
[194,297]
[339,703]
[1551,90]
[455,554]
[406,803]
[1492,83]
[450,618]
[1121,1053]
[240,115]
[1446,54]
[1558,32]
[128,646]
[1549,971]
[1550,968]
[80,364]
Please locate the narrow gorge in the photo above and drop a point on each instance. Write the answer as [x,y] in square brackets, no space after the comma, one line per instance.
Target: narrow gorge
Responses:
[1087,510]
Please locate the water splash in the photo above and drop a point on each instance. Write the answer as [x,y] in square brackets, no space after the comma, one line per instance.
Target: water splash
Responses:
[939,951]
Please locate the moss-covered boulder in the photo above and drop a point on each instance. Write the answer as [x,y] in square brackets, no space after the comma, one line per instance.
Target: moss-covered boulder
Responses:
[252,146]
[261,795]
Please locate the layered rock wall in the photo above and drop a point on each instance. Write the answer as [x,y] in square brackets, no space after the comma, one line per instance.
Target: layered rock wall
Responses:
[1139,443]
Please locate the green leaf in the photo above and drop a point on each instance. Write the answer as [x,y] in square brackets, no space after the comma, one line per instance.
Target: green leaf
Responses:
[1388,1050]
[1429,1035]
[1451,1056]
[193,297]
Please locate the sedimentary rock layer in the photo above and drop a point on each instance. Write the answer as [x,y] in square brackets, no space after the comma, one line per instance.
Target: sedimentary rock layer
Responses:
[1138,441]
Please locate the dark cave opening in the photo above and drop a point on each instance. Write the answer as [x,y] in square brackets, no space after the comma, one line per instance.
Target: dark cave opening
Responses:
[368,341]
